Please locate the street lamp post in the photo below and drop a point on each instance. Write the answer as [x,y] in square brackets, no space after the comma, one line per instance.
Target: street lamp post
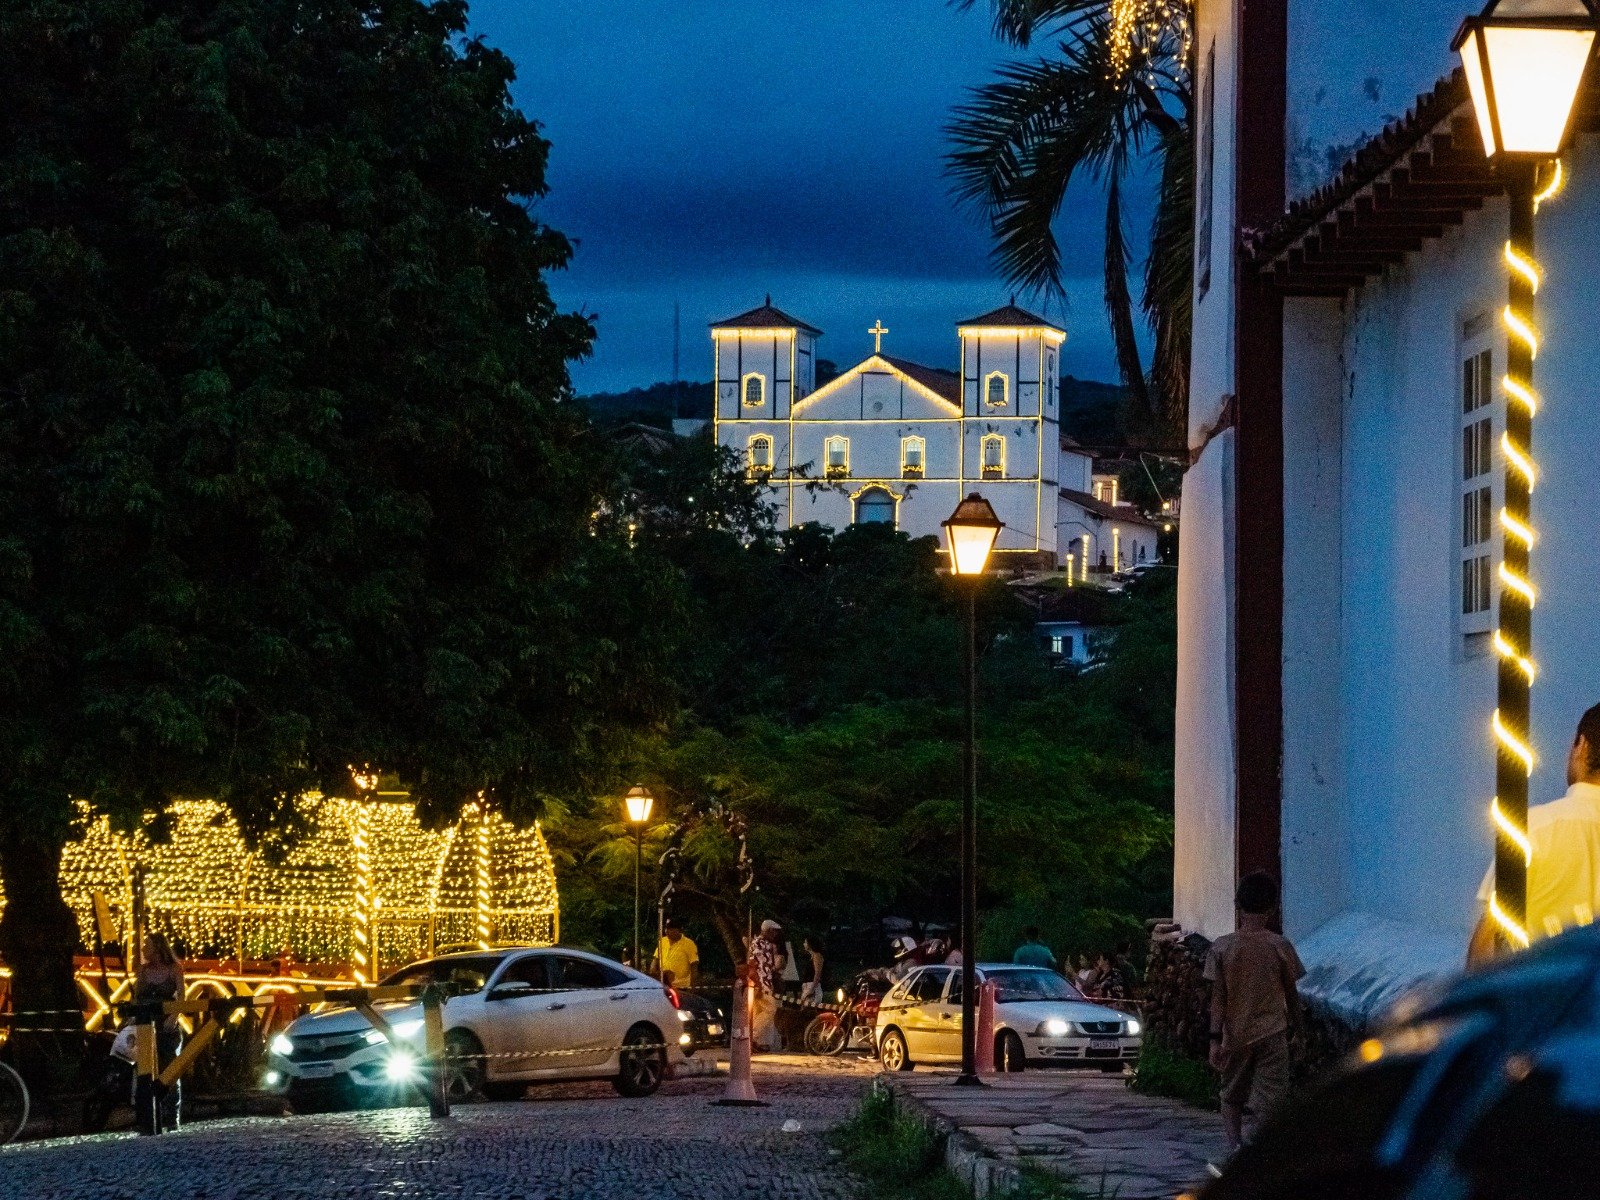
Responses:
[1524,61]
[971,532]
[639,802]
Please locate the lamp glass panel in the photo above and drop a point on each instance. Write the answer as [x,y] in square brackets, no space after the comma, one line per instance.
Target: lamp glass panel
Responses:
[639,808]
[970,546]
[1536,75]
[1472,64]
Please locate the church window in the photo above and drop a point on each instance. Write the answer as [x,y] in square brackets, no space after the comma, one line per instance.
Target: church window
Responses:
[836,451]
[760,454]
[1477,491]
[913,450]
[994,456]
[755,390]
[875,506]
[995,389]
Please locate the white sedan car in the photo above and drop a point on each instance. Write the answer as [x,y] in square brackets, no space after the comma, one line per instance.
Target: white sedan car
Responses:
[513,1017]
[1039,1017]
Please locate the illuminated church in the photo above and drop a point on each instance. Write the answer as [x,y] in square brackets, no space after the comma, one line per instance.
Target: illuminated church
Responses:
[894,442]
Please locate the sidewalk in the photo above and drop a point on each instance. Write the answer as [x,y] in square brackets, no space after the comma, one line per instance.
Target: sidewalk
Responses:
[1085,1125]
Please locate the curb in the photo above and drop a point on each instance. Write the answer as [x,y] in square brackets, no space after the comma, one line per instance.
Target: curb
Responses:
[965,1157]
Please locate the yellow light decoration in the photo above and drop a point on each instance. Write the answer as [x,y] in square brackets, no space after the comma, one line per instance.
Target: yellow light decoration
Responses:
[361,865]
[1142,29]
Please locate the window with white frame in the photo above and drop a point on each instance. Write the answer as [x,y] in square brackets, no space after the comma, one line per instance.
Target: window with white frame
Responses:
[1477,488]
[755,390]
[994,456]
[836,456]
[995,389]
[760,454]
[913,452]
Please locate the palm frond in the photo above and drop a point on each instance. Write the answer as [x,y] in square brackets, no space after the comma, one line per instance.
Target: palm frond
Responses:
[1020,21]
[1119,304]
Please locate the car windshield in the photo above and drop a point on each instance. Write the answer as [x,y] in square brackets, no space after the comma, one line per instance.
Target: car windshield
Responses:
[463,975]
[1014,987]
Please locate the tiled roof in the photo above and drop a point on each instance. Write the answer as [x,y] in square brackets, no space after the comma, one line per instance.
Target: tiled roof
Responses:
[766,317]
[1421,174]
[935,379]
[1126,514]
[1010,316]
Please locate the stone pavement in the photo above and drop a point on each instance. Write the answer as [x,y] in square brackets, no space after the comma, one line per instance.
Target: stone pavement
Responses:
[1082,1124]
[572,1142]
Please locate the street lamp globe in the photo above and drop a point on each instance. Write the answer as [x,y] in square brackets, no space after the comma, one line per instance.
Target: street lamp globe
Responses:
[1524,61]
[971,532]
[639,802]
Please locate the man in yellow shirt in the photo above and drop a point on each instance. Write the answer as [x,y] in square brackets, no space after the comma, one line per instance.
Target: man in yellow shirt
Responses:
[678,954]
[1564,876]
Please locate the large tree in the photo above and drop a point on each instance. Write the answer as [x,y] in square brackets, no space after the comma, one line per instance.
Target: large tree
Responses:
[286,479]
[1115,95]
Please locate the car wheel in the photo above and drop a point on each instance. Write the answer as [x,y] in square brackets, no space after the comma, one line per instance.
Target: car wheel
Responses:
[1008,1053]
[465,1067]
[643,1062]
[892,1052]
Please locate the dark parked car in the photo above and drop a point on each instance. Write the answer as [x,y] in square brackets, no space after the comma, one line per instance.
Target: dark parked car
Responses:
[1486,1088]
[706,1026]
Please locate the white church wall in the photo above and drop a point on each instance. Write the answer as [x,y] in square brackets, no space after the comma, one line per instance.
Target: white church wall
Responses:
[1077,472]
[769,354]
[874,394]
[1204,761]
[1316,817]
[1211,364]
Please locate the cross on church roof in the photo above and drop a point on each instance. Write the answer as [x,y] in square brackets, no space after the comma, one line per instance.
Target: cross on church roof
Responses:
[877,331]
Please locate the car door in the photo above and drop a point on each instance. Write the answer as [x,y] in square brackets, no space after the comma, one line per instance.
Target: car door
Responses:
[594,1007]
[521,1016]
[945,1036]
[922,1014]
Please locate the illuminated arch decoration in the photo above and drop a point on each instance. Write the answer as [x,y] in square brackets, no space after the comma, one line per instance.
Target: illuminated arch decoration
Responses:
[997,389]
[754,388]
[759,453]
[411,891]
[876,505]
[993,447]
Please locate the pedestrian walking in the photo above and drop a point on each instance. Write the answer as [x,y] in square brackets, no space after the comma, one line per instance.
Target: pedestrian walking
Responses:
[767,960]
[1033,952]
[160,978]
[1564,871]
[811,990]
[1255,1006]
[678,954]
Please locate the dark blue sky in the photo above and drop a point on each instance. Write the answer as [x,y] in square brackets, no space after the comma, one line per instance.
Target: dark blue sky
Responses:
[711,151]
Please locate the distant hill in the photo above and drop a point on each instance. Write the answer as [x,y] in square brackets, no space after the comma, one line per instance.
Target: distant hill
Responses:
[1091,413]
[657,404]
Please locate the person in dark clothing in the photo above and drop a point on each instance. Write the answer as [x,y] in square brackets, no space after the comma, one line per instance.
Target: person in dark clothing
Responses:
[160,978]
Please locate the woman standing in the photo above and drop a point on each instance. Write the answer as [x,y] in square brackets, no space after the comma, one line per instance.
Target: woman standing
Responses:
[160,978]
[811,990]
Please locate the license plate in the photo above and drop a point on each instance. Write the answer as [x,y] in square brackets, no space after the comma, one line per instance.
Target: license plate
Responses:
[316,1070]
[1104,1044]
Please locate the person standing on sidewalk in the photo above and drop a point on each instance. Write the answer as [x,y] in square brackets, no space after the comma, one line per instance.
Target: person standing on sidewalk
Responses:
[677,954]
[1255,1006]
[766,966]
[1033,952]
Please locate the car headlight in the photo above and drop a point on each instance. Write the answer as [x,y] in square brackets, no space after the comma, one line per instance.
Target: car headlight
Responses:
[685,1040]
[373,1038]
[400,1067]
[840,995]
[1133,1027]
[685,1015]
[1055,1028]
[272,1079]
[281,1045]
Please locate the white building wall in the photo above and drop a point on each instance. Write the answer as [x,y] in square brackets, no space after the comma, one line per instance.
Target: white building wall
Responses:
[1316,825]
[1205,763]
[1410,794]
[1212,364]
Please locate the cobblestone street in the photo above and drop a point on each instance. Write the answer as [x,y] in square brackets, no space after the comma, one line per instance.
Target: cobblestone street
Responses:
[573,1141]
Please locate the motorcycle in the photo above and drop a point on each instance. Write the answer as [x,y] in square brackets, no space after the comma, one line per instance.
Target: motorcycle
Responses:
[851,1028]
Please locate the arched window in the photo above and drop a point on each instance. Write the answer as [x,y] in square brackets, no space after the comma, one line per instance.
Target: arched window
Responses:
[875,506]
[755,390]
[995,389]
[913,450]
[836,451]
[994,456]
[760,454]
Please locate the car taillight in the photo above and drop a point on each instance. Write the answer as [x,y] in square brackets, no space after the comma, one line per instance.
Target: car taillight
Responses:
[672,994]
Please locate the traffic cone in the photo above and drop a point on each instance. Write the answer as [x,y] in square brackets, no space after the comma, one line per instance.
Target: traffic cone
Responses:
[741,1092]
[985,1038]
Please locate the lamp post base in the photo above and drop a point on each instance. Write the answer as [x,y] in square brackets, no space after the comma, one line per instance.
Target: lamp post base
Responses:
[969,1080]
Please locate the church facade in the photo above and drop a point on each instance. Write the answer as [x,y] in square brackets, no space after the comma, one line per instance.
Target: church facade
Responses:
[892,441]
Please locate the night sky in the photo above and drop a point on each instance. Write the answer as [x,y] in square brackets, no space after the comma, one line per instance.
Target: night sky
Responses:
[711,151]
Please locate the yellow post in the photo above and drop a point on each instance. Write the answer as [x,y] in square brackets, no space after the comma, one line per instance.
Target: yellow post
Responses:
[146,1098]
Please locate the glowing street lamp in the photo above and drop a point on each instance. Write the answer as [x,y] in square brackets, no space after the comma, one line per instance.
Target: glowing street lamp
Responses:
[970,532]
[638,803]
[1525,61]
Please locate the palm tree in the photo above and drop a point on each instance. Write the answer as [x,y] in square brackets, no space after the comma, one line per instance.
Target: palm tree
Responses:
[1117,93]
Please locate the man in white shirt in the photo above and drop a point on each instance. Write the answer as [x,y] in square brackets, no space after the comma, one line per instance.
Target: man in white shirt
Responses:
[1564,877]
